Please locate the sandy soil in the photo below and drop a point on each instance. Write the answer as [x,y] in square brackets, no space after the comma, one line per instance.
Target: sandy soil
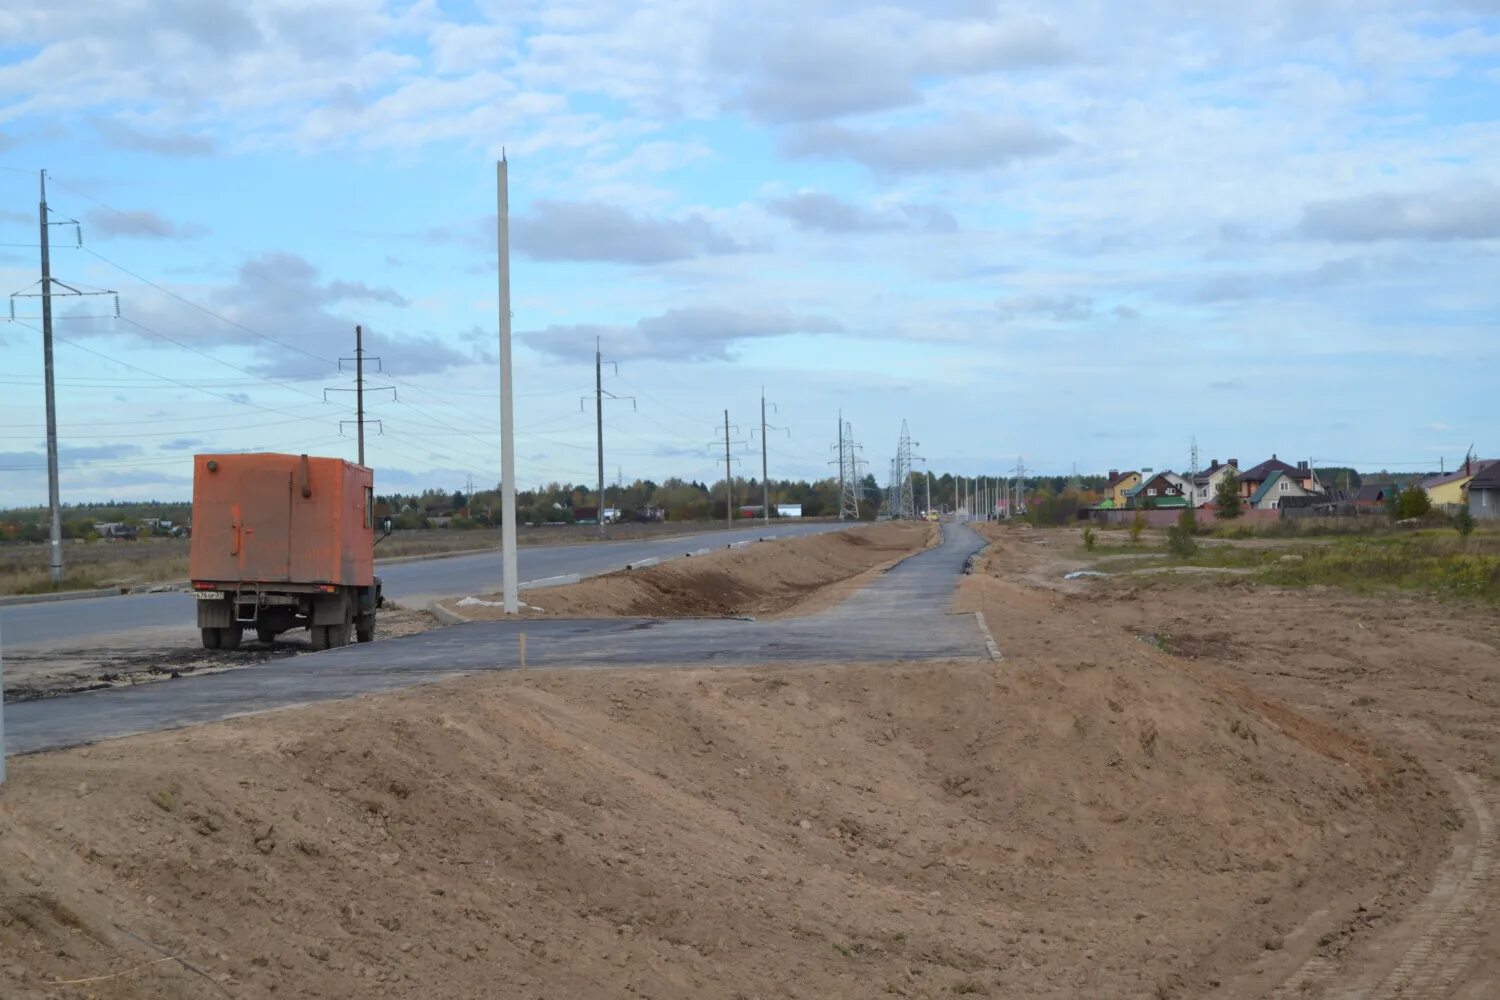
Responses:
[1161,791]
[786,576]
[1413,677]
[120,661]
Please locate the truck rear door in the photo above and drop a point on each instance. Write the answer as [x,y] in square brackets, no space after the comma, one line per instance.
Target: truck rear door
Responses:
[265,523]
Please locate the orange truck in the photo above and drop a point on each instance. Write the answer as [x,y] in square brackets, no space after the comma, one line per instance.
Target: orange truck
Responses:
[283,542]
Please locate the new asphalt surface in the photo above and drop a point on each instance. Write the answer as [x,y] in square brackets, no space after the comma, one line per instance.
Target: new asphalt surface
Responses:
[40,626]
[904,615]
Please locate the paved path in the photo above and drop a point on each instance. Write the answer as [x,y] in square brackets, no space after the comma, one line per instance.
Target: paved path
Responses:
[36,627]
[904,615]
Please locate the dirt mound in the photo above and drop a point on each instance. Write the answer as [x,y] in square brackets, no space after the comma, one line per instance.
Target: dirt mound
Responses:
[1080,828]
[766,578]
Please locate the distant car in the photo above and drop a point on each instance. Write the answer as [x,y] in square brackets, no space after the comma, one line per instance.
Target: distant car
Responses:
[932,515]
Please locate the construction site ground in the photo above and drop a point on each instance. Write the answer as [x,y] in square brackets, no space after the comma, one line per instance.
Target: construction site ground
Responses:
[1165,788]
[798,576]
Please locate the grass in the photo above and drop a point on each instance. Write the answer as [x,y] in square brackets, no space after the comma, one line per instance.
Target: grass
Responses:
[1433,562]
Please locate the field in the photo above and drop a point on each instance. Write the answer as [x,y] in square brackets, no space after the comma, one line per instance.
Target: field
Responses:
[1362,557]
[147,561]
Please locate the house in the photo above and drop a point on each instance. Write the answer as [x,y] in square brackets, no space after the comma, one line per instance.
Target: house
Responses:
[1162,489]
[1118,483]
[1373,496]
[1253,478]
[1206,483]
[1484,493]
[1452,489]
[1281,490]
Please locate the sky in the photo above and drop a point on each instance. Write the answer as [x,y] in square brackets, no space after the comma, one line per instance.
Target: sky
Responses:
[1074,234]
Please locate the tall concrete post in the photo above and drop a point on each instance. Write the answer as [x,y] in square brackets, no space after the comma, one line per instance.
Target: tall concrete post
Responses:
[54,499]
[510,589]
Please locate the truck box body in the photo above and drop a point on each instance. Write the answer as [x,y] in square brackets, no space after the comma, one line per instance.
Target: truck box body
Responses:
[268,519]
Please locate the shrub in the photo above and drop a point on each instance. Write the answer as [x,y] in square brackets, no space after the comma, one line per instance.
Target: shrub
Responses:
[1187,520]
[1088,537]
[1137,526]
[1464,522]
[1180,541]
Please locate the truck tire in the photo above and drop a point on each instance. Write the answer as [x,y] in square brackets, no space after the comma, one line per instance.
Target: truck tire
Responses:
[229,638]
[319,634]
[266,634]
[210,638]
[364,627]
[338,635]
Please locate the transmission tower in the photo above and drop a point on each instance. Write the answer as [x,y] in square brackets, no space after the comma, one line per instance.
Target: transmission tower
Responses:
[905,502]
[848,472]
[1193,460]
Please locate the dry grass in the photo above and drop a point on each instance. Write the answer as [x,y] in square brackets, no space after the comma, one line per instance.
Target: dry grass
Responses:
[92,565]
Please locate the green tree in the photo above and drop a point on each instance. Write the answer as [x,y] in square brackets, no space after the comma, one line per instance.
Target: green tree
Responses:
[1137,526]
[1227,497]
[1464,522]
[1414,502]
[1089,539]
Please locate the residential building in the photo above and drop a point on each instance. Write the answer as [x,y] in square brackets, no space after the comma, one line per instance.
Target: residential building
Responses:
[1253,478]
[1280,490]
[1119,482]
[1484,493]
[1373,496]
[1162,489]
[1206,483]
[1452,489]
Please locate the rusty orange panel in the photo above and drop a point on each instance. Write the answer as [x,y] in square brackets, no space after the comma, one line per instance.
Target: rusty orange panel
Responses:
[270,518]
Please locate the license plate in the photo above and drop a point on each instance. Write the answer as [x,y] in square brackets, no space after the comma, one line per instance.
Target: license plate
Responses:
[208,595]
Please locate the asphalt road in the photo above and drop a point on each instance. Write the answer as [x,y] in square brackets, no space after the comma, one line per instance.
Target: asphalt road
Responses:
[114,619]
[904,615]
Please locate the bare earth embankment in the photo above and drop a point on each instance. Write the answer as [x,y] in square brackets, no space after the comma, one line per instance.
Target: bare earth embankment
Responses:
[1090,817]
[793,575]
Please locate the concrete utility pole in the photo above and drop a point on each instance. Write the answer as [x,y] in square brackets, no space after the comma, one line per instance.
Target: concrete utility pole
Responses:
[54,492]
[599,396]
[359,387]
[45,292]
[510,596]
[359,390]
[599,425]
[765,483]
[728,479]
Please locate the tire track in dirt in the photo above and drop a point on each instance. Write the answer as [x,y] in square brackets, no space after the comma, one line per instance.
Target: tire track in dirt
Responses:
[1449,923]
[1453,914]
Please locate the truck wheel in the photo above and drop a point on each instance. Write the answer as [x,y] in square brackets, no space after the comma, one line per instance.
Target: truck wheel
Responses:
[210,638]
[265,634]
[364,628]
[338,635]
[319,635]
[229,638]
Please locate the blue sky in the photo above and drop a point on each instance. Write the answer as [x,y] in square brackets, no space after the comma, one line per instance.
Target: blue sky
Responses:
[1073,232]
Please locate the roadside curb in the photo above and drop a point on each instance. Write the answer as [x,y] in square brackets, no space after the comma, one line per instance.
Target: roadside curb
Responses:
[65,595]
[444,615]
